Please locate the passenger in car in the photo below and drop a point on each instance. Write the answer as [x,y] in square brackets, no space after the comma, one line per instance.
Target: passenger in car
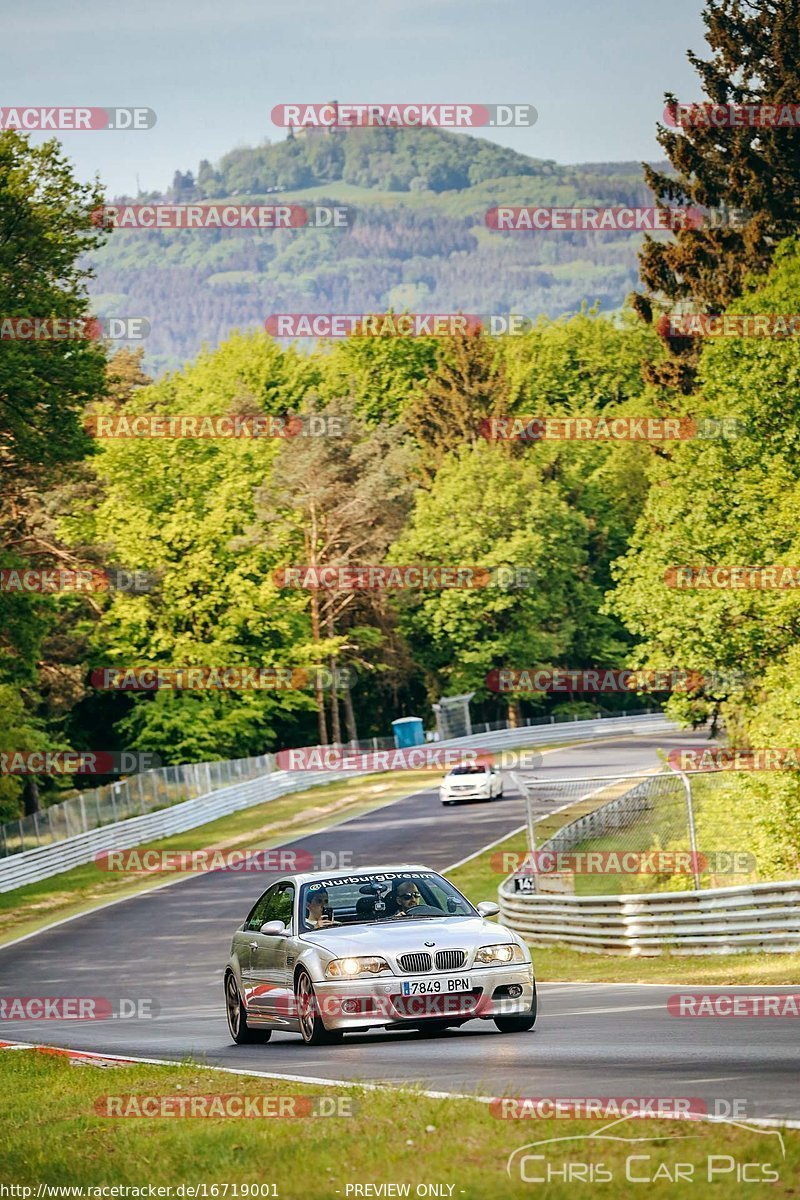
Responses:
[318,914]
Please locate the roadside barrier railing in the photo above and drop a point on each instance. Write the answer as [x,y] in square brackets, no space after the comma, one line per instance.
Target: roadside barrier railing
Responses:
[761,916]
[148,791]
[264,784]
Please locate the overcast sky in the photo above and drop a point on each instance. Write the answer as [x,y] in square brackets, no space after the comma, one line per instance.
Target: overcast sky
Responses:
[596,70]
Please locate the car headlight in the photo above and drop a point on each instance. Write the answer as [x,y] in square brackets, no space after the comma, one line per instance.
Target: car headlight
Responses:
[349,968]
[500,955]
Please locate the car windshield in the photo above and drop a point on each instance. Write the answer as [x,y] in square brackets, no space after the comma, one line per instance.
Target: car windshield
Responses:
[472,770]
[384,896]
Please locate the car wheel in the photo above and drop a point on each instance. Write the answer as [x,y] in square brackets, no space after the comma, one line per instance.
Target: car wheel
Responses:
[238,1028]
[520,1024]
[312,1028]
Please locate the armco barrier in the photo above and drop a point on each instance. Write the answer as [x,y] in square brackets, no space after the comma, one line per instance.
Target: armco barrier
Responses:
[761,916]
[32,865]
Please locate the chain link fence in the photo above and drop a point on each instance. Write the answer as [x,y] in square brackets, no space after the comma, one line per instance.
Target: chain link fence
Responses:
[660,832]
[130,797]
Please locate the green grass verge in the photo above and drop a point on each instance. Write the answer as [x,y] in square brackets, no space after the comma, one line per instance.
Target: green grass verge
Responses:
[480,878]
[52,1133]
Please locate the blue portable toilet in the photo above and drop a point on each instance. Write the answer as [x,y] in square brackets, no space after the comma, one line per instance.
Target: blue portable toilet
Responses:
[408,731]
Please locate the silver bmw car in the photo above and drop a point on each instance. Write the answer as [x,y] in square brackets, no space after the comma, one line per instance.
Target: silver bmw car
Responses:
[397,947]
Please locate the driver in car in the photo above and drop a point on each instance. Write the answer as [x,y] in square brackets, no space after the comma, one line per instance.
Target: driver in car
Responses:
[407,896]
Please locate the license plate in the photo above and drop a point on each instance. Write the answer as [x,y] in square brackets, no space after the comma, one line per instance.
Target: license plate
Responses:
[435,987]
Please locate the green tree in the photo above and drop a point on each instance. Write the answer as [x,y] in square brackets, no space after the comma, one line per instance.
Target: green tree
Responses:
[488,510]
[382,374]
[467,387]
[45,229]
[340,501]
[731,500]
[755,60]
[180,507]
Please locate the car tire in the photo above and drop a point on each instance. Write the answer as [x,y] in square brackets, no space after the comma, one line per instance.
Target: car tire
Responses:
[240,1031]
[312,1028]
[520,1024]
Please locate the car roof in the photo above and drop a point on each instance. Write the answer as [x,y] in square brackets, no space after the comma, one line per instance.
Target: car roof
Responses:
[310,876]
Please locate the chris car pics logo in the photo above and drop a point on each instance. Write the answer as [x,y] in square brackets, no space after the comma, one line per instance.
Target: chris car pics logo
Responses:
[625,1155]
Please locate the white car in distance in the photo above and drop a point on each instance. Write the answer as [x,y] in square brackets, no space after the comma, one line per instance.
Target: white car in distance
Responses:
[473,781]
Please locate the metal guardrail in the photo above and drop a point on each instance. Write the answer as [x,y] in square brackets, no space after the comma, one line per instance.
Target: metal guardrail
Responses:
[30,866]
[762,916]
[136,795]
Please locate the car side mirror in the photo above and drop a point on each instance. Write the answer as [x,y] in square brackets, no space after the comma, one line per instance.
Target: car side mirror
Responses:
[487,908]
[274,927]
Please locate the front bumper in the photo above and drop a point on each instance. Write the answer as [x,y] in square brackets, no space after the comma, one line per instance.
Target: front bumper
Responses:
[472,794]
[365,1003]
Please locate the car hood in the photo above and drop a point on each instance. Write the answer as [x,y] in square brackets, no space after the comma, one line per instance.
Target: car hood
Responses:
[399,936]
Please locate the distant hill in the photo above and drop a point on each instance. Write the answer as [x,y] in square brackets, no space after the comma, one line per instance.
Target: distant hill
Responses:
[418,242]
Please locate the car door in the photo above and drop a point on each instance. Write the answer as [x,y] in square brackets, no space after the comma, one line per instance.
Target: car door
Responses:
[244,942]
[271,990]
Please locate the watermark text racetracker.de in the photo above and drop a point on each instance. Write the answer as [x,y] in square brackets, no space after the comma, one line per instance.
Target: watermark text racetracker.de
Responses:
[778,114]
[542,1108]
[700,577]
[725,1003]
[78,1008]
[402,115]
[606,429]
[47,580]
[141,861]
[224,216]
[724,325]
[414,758]
[602,680]
[353,577]
[73,329]
[616,219]
[221,425]
[732,758]
[76,119]
[77,762]
[218,678]
[212,1105]
[735,1004]
[400,325]
[623,862]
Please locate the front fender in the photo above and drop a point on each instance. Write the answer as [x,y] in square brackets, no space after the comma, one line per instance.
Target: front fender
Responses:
[314,960]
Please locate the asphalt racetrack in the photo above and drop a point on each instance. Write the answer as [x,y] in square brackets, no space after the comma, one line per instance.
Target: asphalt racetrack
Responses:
[596,1040]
